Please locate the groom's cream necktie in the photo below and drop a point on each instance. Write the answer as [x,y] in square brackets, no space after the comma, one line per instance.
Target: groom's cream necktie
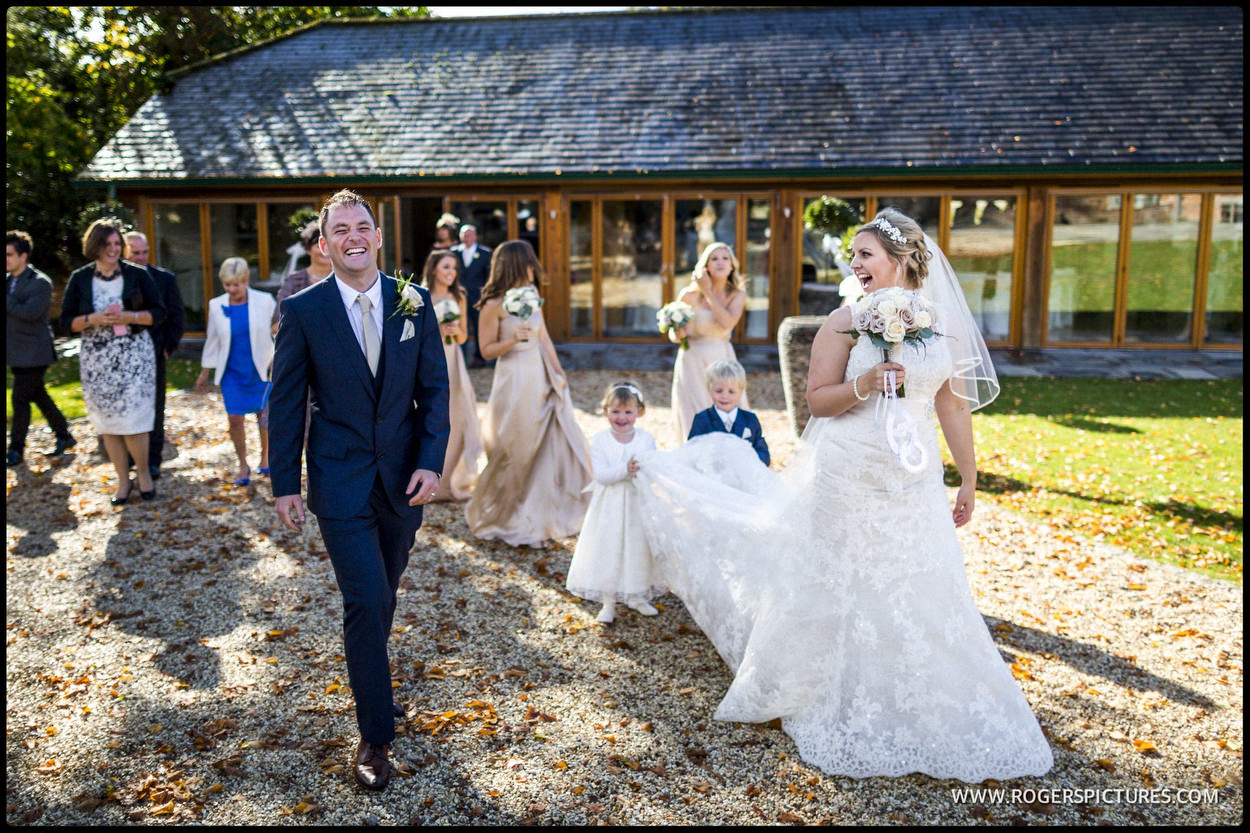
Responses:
[372,346]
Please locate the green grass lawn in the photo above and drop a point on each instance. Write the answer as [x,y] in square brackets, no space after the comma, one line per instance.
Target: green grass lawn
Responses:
[1152,466]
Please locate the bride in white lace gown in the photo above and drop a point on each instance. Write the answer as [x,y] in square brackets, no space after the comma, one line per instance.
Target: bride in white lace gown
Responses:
[836,591]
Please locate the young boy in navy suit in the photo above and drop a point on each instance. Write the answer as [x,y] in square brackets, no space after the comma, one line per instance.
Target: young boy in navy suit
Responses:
[726,381]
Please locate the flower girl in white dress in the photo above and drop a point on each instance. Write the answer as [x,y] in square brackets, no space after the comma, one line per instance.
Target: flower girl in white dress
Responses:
[612,562]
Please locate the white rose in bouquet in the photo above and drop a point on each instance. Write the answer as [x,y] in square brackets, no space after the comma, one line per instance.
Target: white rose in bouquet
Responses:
[893,316]
[447,311]
[522,301]
[674,316]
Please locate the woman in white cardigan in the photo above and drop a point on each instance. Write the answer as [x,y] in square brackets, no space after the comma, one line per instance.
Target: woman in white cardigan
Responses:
[240,365]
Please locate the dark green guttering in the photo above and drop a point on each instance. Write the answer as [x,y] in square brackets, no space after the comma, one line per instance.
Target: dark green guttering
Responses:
[705,174]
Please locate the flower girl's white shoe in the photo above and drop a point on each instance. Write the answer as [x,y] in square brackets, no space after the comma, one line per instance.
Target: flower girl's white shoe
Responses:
[645,608]
[608,613]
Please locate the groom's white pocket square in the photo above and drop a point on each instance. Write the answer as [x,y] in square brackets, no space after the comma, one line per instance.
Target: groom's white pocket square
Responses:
[746,433]
[409,331]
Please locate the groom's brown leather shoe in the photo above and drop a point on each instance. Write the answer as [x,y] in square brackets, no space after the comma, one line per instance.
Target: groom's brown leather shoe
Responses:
[372,768]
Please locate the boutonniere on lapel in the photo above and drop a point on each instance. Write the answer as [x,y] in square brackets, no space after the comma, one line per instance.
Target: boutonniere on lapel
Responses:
[409,304]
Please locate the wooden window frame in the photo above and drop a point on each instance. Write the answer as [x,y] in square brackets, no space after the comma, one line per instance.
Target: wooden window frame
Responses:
[1206,228]
[147,222]
[668,272]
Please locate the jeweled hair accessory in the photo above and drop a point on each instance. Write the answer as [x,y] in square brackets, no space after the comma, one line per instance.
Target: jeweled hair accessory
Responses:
[888,229]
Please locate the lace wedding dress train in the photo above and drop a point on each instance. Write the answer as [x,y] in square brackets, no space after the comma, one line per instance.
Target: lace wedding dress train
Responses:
[837,594]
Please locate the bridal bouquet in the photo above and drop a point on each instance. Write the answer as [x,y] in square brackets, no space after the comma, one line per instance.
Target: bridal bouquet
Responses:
[522,301]
[447,311]
[893,316]
[674,315]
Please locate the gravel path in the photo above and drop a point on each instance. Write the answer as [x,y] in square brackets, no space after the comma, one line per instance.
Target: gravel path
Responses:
[180,662]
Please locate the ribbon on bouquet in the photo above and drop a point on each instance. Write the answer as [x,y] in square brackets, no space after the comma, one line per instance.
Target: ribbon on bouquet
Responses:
[902,432]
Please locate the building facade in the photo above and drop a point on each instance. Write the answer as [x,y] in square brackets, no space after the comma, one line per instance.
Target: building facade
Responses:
[1085,180]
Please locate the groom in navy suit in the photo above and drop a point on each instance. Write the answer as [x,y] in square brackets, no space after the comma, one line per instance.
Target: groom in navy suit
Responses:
[371,359]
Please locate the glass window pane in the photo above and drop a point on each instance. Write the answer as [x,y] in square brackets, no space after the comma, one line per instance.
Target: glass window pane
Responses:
[822,268]
[982,250]
[756,267]
[699,224]
[491,219]
[927,211]
[1224,288]
[1084,244]
[286,254]
[633,288]
[527,223]
[176,248]
[1163,258]
[233,232]
[581,271]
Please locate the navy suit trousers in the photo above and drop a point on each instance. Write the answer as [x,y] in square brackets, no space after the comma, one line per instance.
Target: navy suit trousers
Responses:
[156,440]
[369,553]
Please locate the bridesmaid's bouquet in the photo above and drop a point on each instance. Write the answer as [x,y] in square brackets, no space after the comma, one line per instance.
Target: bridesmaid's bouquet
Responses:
[522,301]
[674,316]
[447,311]
[893,316]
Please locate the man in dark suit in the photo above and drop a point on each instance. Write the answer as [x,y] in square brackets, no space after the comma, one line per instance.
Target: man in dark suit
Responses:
[371,359]
[28,346]
[475,263]
[165,338]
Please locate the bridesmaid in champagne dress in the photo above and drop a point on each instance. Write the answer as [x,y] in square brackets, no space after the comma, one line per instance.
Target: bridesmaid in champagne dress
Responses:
[464,446]
[718,301]
[537,459]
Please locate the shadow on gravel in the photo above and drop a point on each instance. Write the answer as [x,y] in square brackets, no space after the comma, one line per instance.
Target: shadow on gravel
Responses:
[41,507]
[202,541]
[1013,637]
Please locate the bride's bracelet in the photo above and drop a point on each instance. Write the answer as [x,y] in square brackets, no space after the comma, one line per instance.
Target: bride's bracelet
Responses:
[855,390]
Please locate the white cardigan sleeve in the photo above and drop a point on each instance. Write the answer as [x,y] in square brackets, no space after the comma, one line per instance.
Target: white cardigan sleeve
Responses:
[260,325]
[607,462]
[216,339]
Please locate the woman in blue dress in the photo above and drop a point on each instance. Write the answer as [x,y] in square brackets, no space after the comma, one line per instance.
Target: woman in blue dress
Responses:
[238,350]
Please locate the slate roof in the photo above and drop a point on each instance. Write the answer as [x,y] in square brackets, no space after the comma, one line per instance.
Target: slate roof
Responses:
[716,91]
